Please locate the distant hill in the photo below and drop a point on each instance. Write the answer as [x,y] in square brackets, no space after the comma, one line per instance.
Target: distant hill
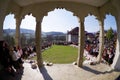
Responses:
[9,31]
[21,30]
[28,31]
[54,33]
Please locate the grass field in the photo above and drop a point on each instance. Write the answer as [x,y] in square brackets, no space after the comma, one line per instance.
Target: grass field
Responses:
[60,54]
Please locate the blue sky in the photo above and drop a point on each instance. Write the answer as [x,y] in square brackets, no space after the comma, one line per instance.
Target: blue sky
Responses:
[60,20]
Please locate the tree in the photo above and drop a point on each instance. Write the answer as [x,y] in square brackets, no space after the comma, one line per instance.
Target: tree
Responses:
[23,39]
[109,34]
[9,39]
[31,41]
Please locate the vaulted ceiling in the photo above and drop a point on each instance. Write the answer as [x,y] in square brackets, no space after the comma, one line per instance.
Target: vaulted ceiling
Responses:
[96,3]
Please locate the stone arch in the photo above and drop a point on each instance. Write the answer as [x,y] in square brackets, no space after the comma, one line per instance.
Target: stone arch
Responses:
[29,21]
[63,10]
[50,6]
[93,17]
[113,10]
[109,14]
[40,9]
[10,14]
[114,40]
[9,24]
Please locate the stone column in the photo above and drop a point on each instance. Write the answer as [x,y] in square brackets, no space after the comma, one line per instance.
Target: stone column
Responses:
[17,33]
[2,17]
[116,60]
[3,9]
[81,42]
[101,40]
[38,42]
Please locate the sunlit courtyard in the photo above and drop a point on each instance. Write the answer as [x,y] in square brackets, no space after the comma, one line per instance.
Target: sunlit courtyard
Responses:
[60,39]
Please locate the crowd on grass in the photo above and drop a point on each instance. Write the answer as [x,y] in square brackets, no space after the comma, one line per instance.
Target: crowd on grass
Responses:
[12,57]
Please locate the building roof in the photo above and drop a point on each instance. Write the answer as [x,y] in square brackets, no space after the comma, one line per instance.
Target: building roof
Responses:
[74,31]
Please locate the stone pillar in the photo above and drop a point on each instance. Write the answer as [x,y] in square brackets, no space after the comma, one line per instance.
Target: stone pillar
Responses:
[81,42]
[116,60]
[101,40]
[17,33]
[2,17]
[38,43]
[3,9]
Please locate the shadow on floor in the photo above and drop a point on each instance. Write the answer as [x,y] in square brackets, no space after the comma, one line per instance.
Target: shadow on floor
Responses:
[45,74]
[95,71]
[118,78]
[7,76]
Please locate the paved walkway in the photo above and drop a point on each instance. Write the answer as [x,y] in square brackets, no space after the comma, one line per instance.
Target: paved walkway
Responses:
[65,72]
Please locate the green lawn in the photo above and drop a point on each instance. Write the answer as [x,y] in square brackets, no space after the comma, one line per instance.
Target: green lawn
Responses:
[60,54]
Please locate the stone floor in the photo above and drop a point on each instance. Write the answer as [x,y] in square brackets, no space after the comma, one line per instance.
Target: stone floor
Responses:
[65,72]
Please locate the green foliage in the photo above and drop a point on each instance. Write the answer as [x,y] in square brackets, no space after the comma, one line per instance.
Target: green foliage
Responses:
[51,38]
[9,39]
[110,34]
[23,40]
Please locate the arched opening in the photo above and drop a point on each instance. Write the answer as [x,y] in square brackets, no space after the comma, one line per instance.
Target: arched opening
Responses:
[91,24]
[59,20]
[9,29]
[28,22]
[57,25]
[110,39]
[27,31]
[92,29]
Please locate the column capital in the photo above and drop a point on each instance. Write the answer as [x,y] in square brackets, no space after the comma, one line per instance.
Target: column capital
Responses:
[18,20]
[39,17]
[81,19]
[101,19]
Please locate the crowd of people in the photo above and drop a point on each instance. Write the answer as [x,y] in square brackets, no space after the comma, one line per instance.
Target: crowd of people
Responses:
[91,51]
[11,58]
[28,52]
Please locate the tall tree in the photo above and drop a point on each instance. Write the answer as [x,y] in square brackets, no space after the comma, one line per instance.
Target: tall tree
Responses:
[110,34]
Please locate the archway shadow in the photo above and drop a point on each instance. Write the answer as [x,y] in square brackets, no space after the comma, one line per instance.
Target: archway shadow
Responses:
[95,71]
[7,76]
[45,74]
